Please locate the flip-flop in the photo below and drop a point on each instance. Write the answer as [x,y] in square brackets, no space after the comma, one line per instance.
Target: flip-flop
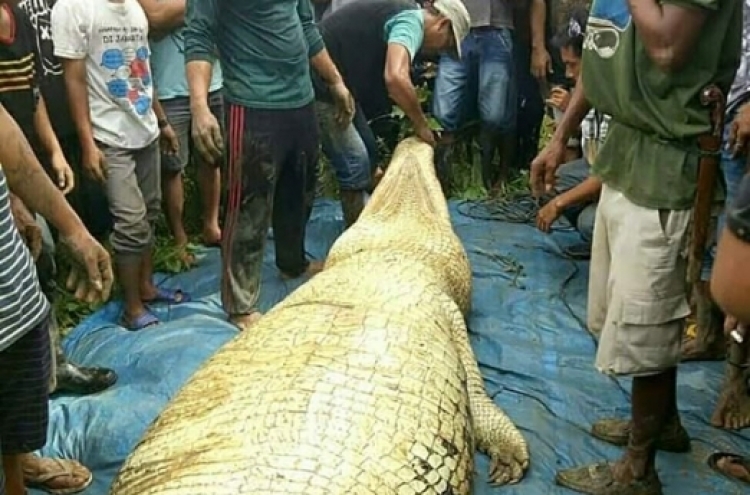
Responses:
[713,461]
[169,297]
[143,320]
[66,469]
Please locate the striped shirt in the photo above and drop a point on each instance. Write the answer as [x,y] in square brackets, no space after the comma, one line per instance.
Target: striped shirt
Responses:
[19,74]
[22,303]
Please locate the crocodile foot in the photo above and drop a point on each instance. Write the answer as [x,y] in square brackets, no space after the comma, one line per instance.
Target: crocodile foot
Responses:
[507,465]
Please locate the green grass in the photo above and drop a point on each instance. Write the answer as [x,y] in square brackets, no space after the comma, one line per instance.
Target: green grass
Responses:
[466,180]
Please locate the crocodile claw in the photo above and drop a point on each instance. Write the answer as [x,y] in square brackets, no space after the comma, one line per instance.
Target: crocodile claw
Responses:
[508,466]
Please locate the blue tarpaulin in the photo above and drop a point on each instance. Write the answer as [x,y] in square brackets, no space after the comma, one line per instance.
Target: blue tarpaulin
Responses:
[526,329]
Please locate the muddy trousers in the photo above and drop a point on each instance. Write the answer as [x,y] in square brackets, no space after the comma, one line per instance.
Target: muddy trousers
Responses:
[271,175]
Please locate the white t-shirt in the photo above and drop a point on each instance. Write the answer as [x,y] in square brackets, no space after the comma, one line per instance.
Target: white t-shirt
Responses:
[113,39]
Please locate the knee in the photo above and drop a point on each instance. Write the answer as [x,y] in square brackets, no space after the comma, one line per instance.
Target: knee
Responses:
[350,161]
[131,234]
[449,95]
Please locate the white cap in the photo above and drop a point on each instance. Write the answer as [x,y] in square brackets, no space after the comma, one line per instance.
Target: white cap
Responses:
[455,11]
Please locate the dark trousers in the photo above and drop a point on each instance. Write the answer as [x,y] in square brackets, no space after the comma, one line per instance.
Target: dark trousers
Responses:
[88,198]
[271,177]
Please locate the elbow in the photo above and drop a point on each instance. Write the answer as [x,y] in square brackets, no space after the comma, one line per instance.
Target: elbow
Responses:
[395,83]
[666,58]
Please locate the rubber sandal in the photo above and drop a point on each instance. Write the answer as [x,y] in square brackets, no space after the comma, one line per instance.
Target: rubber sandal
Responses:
[167,296]
[145,319]
[66,469]
[713,463]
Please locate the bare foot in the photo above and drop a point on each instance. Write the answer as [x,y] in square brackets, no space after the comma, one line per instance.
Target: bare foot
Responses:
[733,407]
[377,176]
[186,257]
[734,467]
[313,268]
[245,322]
[211,236]
[55,474]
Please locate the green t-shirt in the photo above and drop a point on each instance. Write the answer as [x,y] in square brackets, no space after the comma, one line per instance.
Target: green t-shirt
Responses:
[651,153]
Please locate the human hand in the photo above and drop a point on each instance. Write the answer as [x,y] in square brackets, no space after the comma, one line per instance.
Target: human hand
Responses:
[344,102]
[26,224]
[547,216]
[739,132]
[63,174]
[91,277]
[544,166]
[94,164]
[426,134]
[559,98]
[207,136]
[541,63]
[168,140]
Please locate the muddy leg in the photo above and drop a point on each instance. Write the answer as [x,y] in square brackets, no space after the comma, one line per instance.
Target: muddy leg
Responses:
[733,407]
[709,343]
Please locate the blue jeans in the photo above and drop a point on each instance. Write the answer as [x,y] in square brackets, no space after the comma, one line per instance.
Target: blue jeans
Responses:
[352,152]
[487,63]
[733,169]
[582,216]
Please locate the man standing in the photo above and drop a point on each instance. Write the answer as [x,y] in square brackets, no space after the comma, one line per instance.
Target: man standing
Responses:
[105,55]
[265,49]
[25,358]
[488,62]
[374,45]
[166,20]
[646,64]
[69,377]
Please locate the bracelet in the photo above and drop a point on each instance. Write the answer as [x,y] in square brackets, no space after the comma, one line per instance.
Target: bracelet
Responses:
[162,123]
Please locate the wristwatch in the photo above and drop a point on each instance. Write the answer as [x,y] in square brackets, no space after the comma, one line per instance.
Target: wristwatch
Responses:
[162,123]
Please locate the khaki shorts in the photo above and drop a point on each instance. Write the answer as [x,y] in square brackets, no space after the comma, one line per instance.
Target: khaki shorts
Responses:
[637,285]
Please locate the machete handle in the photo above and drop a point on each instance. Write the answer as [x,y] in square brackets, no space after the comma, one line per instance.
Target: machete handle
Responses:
[714,98]
[708,171]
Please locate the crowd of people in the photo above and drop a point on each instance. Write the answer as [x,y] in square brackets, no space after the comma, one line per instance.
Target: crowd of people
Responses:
[104,105]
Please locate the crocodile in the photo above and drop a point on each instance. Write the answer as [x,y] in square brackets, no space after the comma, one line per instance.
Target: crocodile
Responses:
[360,382]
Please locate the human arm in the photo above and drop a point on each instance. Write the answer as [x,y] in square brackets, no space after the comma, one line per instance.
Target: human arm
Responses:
[669,30]
[164,15]
[577,109]
[405,34]
[62,173]
[314,40]
[541,64]
[200,53]
[26,224]
[586,191]
[170,144]
[544,166]
[200,50]
[27,179]
[730,277]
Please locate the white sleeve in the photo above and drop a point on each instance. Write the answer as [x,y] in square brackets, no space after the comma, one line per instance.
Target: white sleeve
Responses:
[70,24]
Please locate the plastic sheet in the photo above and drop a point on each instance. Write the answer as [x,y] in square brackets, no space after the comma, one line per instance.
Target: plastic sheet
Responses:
[526,328]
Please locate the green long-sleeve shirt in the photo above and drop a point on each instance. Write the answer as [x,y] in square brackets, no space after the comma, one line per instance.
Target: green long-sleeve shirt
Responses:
[264,48]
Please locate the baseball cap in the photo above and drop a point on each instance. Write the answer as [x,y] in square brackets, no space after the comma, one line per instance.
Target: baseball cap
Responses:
[455,11]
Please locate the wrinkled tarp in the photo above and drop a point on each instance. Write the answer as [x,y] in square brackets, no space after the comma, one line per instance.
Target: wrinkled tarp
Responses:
[526,329]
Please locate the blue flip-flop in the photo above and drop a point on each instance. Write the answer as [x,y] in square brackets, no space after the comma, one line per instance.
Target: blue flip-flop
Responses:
[145,319]
[166,296]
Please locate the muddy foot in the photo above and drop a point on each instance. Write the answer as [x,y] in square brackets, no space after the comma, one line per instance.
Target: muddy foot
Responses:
[730,465]
[55,475]
[246,322]
[696,349]
[313,268]
[733,407]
